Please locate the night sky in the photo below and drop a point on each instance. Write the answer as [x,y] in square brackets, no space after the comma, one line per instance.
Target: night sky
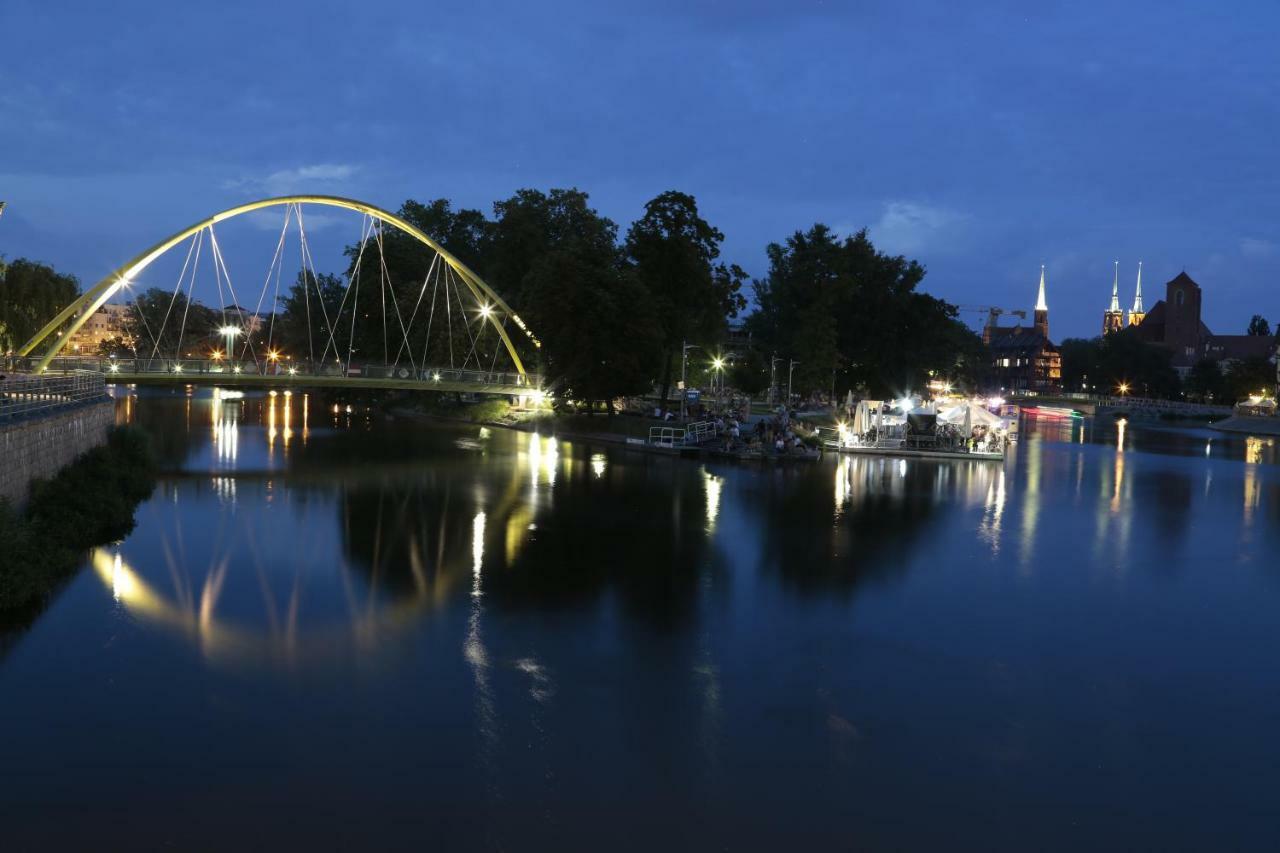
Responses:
[981,138]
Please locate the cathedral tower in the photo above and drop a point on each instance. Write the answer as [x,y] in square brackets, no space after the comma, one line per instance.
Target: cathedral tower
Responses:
[1113,317]
[1042,309]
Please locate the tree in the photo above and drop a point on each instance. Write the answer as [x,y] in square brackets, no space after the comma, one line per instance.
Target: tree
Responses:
[532,224]
[312,323]
[1258,325]
[1080,360]
[673,251]
[749,373]
[168,325]
[1205,382]
[1248,376]
[1125,359]
[611,346]
[31,294]
[828,302]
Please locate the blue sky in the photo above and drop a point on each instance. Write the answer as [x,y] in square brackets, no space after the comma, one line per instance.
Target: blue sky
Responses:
[981,138]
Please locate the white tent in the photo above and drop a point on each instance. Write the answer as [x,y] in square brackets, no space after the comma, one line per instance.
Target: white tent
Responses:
[971,413]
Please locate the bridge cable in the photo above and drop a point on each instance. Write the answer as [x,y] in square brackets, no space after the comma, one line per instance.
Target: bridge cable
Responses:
[421,293]
[273,267]
[196,239]
[435,287]
[353,276]
[395,305]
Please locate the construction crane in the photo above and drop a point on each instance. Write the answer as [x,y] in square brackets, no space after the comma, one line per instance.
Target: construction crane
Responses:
[993,316]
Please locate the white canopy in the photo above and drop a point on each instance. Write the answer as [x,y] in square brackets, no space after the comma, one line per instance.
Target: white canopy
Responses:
[976,415]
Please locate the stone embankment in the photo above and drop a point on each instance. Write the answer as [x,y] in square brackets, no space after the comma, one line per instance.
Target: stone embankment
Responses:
[45,424]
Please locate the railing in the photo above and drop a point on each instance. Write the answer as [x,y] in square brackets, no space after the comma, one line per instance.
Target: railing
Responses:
[687,436]
[35,396]
[1127,401]
[289,370]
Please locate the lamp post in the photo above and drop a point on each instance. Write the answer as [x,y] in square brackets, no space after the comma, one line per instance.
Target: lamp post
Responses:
[717,364]
[790,370]
[685,346]
[773,378]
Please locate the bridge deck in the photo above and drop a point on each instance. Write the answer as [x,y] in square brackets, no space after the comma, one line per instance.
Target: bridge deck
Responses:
[258,375]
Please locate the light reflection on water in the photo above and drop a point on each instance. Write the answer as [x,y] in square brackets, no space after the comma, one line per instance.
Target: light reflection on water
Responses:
[558,640]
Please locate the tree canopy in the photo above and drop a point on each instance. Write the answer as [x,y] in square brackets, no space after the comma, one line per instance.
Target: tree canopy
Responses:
[1103,364]
[31,294]
[841,305]
[673,251]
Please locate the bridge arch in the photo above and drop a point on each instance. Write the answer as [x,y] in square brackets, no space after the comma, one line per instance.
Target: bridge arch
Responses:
[95,297]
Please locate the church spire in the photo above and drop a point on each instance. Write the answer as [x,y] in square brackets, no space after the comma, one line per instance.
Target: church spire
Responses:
[1137,313]
[1113,317]
[1042,309]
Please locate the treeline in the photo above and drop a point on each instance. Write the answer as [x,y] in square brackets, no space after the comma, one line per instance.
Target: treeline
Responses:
[613,309]
[1103,365]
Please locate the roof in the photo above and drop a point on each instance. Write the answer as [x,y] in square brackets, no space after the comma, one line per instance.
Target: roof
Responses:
[1018,338]
[1183,278]
[1239,347]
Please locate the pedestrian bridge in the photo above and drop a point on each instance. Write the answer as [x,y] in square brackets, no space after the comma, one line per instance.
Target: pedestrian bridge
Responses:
[247,375]
[406,314]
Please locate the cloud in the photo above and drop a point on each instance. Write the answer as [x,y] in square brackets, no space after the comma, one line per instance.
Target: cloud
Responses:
[312,178]
[1253,247]
[907,226]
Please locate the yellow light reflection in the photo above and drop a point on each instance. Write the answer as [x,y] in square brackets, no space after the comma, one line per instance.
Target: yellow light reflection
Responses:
[712,485]
[477,551]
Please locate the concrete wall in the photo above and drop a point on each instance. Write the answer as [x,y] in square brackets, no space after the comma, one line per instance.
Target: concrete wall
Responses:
[40,447]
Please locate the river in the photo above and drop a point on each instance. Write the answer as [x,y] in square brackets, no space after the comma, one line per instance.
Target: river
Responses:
[330,629]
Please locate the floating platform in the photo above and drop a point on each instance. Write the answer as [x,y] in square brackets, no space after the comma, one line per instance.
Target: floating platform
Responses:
[913,453]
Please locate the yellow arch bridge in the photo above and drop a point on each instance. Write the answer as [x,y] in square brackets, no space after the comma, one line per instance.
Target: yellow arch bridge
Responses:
[447,331]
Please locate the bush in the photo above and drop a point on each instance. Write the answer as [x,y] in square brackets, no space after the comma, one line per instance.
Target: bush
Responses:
[90,502]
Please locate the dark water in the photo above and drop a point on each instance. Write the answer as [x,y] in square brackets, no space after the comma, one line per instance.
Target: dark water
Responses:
[333,632]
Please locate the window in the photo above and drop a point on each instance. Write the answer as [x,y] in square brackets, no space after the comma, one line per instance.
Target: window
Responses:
[1177,297]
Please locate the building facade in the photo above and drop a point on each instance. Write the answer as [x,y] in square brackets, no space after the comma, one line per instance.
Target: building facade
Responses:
[1025,359]
[105,324]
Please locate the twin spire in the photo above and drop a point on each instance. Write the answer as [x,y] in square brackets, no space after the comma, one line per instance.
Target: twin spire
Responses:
[1041,305]
[1113,318]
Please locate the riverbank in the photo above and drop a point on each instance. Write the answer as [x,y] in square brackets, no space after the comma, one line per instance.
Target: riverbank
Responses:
[89,502]
[1249,425]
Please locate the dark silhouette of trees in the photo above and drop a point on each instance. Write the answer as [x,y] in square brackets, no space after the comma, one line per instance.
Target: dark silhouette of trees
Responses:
[673,250]
[31,294]
[830,303]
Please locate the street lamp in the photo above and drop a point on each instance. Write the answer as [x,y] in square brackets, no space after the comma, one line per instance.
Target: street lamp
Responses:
[1124,388]
[684,362]
[717,364]
[790,370]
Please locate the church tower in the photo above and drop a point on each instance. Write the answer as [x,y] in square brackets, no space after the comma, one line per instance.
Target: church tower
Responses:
[1113,317]
[1137,312]
[1042,309]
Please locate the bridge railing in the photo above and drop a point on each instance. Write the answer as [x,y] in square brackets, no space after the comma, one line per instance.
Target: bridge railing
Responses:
[35,396]
[290,370]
